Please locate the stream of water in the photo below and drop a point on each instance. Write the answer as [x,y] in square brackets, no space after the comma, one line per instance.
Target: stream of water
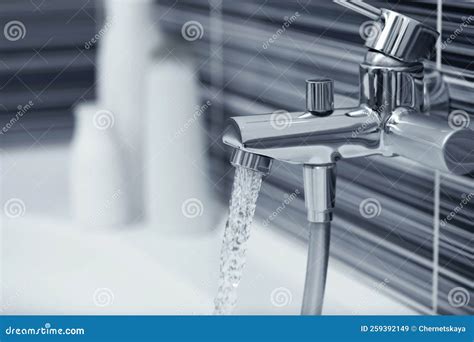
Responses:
[242,205]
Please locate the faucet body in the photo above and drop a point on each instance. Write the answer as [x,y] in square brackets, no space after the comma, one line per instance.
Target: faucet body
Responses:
[392,119]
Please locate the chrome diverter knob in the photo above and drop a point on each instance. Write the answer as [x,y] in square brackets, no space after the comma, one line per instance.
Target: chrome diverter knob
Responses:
[320,96]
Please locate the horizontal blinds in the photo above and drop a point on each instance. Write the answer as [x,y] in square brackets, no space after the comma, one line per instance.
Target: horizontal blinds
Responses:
[49,66]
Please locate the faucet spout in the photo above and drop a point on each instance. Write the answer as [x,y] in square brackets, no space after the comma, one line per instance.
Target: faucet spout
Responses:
[304,138]
[251,161]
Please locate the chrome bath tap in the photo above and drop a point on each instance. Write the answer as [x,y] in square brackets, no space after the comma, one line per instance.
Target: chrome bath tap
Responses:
[392,119]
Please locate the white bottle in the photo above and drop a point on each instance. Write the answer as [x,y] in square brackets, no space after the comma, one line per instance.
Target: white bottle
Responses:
[179,192]
[100,195]
[123,60]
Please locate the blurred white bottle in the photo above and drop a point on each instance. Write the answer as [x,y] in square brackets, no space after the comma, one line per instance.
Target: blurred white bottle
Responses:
[123,60]
[180,196]
[100,195]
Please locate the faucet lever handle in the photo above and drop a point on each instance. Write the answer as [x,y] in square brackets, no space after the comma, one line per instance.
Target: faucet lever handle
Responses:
[361,8]
[395,34]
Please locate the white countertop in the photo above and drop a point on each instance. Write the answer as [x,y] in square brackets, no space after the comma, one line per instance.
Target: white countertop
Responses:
[52,266]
